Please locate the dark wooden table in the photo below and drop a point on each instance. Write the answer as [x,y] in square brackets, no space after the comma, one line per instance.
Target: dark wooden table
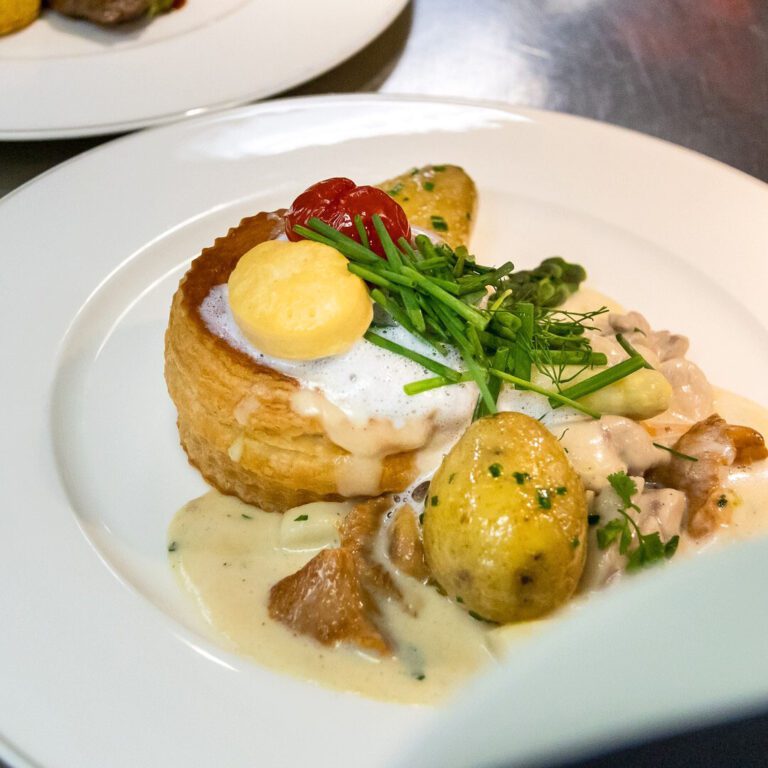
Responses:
[694,72]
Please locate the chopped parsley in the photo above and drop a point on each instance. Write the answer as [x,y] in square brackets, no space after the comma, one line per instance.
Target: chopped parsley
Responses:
[301,518]
[420,676]
[172,546]
[396,190]
[478,617]
[575,542]
[438,168]
[545,502]
[495,470]
[246,517]
[650,548]
[439,224]
[561,490]
[521,477]
[429,186]
[435,501]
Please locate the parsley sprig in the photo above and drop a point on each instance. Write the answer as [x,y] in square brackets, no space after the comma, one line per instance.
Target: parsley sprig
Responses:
[650,548]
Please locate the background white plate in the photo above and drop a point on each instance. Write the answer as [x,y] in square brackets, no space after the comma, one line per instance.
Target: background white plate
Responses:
[66,77]
[102,661]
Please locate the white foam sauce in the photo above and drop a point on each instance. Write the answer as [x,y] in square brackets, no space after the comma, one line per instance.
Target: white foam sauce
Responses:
[366,382]
[359,399]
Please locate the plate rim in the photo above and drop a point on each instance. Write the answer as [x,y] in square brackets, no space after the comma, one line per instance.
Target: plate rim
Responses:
[255,94]
[280,103]
[287,103]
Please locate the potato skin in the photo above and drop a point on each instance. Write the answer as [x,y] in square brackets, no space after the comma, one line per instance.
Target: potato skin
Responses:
[489,537]
[437,190]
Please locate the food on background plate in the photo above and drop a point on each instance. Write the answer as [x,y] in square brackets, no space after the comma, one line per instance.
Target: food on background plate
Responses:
[110,12]
[417,456]
[17,14]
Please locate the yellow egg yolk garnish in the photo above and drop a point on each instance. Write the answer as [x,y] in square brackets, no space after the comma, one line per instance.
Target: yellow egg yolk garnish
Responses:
[298,300]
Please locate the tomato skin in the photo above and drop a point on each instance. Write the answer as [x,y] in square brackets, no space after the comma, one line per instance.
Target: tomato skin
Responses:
[338,200]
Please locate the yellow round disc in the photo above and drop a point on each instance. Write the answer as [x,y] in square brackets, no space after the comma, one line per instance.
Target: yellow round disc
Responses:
[298,301]
[16,14]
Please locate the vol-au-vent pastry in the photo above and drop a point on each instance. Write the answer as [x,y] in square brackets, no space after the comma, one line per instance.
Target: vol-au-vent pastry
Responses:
[280,401]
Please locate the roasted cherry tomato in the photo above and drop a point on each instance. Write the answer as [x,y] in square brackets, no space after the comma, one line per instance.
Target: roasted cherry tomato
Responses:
[337,201]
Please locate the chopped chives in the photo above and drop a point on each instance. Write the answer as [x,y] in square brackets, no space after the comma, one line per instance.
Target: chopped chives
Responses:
[361,231]
[677,454]
[631,351]
[522,365]
[426,362]
[557,396]
[604,378]
[439,224]
[468,313]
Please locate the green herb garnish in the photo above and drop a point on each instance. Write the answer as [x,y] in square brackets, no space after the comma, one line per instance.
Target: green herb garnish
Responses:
[428,186]
[542,495]
[502,322]
[650,548]
[246,517]
[301,518]
[495,470]
[675,453]
[172,546]
[439,224]
[722,501]
[477,617]
[521,477]
[435,501]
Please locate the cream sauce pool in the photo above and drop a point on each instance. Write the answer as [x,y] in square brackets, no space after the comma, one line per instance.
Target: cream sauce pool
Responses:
[229,554]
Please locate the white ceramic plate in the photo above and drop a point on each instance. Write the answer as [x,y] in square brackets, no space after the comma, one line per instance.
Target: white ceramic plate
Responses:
[102,660]
[64,77]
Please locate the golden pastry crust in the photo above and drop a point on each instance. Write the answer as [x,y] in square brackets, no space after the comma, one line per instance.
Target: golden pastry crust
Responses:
[235,418]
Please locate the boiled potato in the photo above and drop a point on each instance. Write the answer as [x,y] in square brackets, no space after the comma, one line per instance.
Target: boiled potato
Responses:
[505,524]
[298,301]
[441,198]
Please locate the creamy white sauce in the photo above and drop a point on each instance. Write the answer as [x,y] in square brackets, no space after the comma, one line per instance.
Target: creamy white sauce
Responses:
[749,484]
[229,554]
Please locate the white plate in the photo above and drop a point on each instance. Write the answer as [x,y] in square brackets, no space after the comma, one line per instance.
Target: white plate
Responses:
[102,662]
[65,77]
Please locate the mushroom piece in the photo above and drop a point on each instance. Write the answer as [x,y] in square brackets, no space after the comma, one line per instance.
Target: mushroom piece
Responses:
[712,447]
